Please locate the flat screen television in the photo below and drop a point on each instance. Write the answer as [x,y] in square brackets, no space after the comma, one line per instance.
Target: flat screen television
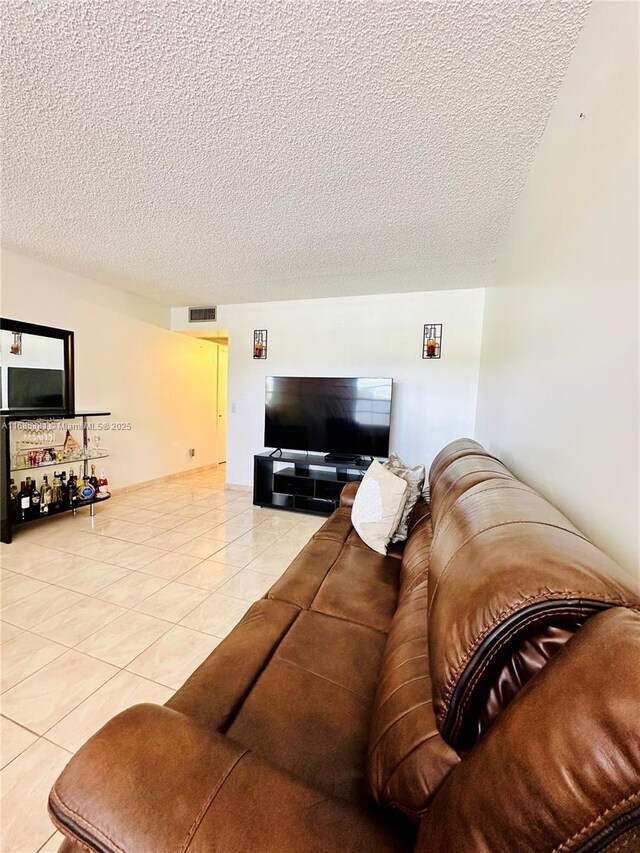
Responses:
[341,416]
[35,388]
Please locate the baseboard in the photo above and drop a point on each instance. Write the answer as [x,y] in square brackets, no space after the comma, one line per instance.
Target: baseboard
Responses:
[236,487]
[145,484]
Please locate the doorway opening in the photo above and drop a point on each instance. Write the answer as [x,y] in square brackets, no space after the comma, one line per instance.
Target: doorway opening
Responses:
[220,340]
[222,400]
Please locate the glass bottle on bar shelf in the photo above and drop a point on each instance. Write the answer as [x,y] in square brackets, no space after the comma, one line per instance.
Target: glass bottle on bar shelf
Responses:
[86,492]
[45,496]
[56,494]
[64,490]
[24,501]
[29,487]
[93,479]
[35,499]
[13,500]
[72,489]
[103,485]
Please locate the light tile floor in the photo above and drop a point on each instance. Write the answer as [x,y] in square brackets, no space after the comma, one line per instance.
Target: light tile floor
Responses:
[96,617]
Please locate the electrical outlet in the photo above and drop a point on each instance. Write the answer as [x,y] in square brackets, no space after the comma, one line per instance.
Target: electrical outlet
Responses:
[192,452]
[233,408]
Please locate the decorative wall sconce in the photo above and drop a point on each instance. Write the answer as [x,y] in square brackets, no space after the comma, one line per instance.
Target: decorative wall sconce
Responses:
[432,340]
[16,346]
[260,343]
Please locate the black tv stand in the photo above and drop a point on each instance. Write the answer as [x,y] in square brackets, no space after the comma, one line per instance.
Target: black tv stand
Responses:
[277,450]
[303,482]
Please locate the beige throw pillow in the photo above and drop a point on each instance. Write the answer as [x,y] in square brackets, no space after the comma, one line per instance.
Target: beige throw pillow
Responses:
[415,479]
[378,506]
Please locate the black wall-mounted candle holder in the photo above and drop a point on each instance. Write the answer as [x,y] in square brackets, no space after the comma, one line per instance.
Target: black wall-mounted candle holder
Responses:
[260,343]
[432,340]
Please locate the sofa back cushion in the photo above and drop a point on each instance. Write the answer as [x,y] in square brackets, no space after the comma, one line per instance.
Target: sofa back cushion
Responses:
[417,550]
[408,759]
[510,581]
[452,451]
[460,476]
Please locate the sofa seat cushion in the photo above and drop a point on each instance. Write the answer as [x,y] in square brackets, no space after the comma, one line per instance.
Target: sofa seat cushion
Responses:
[310,710]
[217,688]
[347,654]
[337,527]
[408,759]
[300,583]
[395,549]
[362,587]
[348,581]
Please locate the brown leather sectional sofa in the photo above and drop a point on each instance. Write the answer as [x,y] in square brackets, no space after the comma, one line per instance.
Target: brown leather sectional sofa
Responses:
[478,691]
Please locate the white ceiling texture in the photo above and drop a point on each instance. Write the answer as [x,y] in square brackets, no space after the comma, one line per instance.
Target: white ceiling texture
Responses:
[218,151]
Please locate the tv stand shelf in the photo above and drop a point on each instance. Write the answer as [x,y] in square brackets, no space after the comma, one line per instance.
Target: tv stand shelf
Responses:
[302,482]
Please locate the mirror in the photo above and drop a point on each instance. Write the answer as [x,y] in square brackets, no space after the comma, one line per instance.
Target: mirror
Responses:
[36,369]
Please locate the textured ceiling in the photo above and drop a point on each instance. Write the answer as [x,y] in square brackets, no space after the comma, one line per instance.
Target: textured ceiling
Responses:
[212,151]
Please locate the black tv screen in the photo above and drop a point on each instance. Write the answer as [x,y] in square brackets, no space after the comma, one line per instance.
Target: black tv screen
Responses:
[35,388]
[348,416]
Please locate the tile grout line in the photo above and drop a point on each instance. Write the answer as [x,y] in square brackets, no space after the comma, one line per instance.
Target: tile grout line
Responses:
[66,648]
[140,569]
[51,552]
[95,595]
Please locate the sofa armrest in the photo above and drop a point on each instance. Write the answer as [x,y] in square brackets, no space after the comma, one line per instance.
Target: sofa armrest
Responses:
[153,780]
[348,494]
[560,767]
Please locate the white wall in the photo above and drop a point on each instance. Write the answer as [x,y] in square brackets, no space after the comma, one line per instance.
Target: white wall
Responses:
[558,398]
[434,401]
[163,383]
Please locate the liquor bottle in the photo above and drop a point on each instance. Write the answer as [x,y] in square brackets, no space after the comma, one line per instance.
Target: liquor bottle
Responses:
[64,490]
[35,500]
[29,487]
[103,485]
[56,494]
[93,479]
[72,489]
[24,501]
[13,500]
[86,492]
[45,496]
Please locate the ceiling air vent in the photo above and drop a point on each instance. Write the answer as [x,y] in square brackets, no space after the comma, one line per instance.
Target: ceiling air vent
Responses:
[202,315]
